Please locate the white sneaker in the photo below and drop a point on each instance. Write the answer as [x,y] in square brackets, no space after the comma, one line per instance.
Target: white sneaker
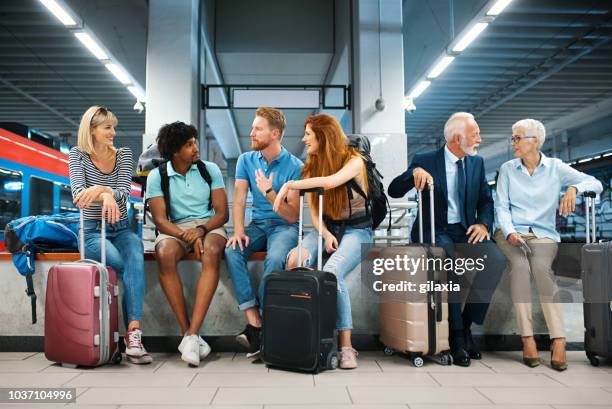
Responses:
[190,350]
[204,348]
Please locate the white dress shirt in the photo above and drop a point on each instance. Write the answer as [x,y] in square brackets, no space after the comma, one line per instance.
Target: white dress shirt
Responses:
[450,161]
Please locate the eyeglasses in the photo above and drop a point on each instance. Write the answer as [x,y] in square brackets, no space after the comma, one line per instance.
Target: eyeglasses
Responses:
[517,139]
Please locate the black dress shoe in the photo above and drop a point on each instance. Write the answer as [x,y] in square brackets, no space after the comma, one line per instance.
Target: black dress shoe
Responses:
[458,350]
[460,357]
[470,346]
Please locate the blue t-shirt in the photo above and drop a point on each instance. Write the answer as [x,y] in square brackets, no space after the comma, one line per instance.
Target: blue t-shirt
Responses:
[189,194]
[285,167]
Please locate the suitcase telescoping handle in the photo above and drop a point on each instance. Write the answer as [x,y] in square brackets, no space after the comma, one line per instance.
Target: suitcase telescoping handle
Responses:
[432,220]
[318,190]
[589,202]
[82,238]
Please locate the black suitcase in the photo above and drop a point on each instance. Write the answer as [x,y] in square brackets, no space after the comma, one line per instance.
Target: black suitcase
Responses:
[596,269]
[299,314]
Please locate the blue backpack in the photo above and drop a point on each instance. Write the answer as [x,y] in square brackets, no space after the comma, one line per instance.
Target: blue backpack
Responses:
[26,236]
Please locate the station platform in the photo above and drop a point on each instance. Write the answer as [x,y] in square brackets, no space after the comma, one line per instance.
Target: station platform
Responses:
[230,380]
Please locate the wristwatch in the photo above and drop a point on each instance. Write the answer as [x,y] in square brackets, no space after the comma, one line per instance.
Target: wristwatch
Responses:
[204,229]
[269,190]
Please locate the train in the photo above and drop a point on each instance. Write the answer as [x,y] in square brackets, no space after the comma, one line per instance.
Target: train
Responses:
[34,177]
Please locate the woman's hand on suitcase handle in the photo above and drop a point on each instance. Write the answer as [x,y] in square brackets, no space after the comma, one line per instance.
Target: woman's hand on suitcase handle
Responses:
[421,178]
[238,238]
[331,243]
[568,202]
[281,195]
[87,196]
[110,208]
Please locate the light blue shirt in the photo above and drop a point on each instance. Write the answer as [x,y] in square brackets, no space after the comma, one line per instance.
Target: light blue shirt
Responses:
[531,201]
[189,194]
[450,160]
[285,167]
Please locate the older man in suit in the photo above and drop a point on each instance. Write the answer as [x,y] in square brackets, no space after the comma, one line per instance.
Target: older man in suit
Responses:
[463,214]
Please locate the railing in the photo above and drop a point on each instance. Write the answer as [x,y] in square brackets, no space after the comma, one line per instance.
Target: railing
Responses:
[401,222]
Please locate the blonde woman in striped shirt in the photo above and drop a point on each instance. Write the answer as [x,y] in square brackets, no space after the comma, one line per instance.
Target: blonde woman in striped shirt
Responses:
[100,178]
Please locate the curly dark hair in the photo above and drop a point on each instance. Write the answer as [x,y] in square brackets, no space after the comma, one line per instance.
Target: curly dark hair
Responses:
[171,137]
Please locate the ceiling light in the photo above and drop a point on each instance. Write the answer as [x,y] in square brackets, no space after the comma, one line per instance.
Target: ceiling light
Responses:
[441,66]
[137,92]
[91,45]
[57,10]
[470,36]
[498,7]
[418,90]
[118,73]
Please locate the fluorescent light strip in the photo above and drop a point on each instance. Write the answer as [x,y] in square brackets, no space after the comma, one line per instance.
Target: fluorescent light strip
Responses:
[470,36]
[418,90]
[57,10]
[137,93]
[118,73]
[498,7]
[440,67]
[91,45]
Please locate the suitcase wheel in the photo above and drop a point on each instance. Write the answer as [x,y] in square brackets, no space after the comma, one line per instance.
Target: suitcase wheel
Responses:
[418,362]
[117,358]
[66,365]
[593,359]
[332,360]
[388,351]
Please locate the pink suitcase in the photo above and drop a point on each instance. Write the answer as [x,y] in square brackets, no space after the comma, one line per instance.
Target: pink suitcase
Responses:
[81,311]
[416,325]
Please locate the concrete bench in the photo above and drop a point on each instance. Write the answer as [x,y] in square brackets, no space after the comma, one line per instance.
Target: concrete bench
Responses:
[149,255]
[224,319]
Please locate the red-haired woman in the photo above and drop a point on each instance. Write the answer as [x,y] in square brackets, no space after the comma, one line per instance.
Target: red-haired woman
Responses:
[341,171]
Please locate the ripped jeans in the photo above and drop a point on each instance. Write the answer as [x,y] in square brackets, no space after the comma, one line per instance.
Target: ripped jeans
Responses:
[340,263]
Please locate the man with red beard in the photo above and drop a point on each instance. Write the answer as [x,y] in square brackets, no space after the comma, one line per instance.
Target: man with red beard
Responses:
[263,171]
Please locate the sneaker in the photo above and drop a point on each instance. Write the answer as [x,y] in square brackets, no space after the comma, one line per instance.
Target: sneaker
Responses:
[140,360]
[250,339]
[134,350]
[348,358]
[204,348]
[190,350]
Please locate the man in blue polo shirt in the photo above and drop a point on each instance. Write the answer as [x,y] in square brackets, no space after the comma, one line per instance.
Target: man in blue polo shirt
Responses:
[263,171]
[194,221]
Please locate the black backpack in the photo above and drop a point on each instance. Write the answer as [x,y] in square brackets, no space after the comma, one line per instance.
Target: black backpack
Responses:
[376,199]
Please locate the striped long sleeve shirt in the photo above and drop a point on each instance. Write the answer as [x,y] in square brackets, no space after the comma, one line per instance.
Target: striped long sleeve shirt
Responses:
[84,174]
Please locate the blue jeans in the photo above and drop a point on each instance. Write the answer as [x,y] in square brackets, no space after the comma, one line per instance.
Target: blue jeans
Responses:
[484,283]
[340,263]
[125,254]
[272,235]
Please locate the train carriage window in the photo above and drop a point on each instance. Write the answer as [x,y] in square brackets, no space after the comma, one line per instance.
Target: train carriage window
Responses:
[66,204]
[41,196]
[11,185]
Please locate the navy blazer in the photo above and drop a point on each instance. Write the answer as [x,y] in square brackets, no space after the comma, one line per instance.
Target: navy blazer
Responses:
[479,206]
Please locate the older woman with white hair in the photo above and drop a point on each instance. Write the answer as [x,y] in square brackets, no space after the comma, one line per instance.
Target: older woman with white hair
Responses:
[528,190]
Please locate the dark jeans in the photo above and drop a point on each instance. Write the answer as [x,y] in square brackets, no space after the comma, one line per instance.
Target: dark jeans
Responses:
[477,293]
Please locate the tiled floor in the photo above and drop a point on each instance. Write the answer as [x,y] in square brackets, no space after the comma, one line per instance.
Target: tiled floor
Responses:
[228,381]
